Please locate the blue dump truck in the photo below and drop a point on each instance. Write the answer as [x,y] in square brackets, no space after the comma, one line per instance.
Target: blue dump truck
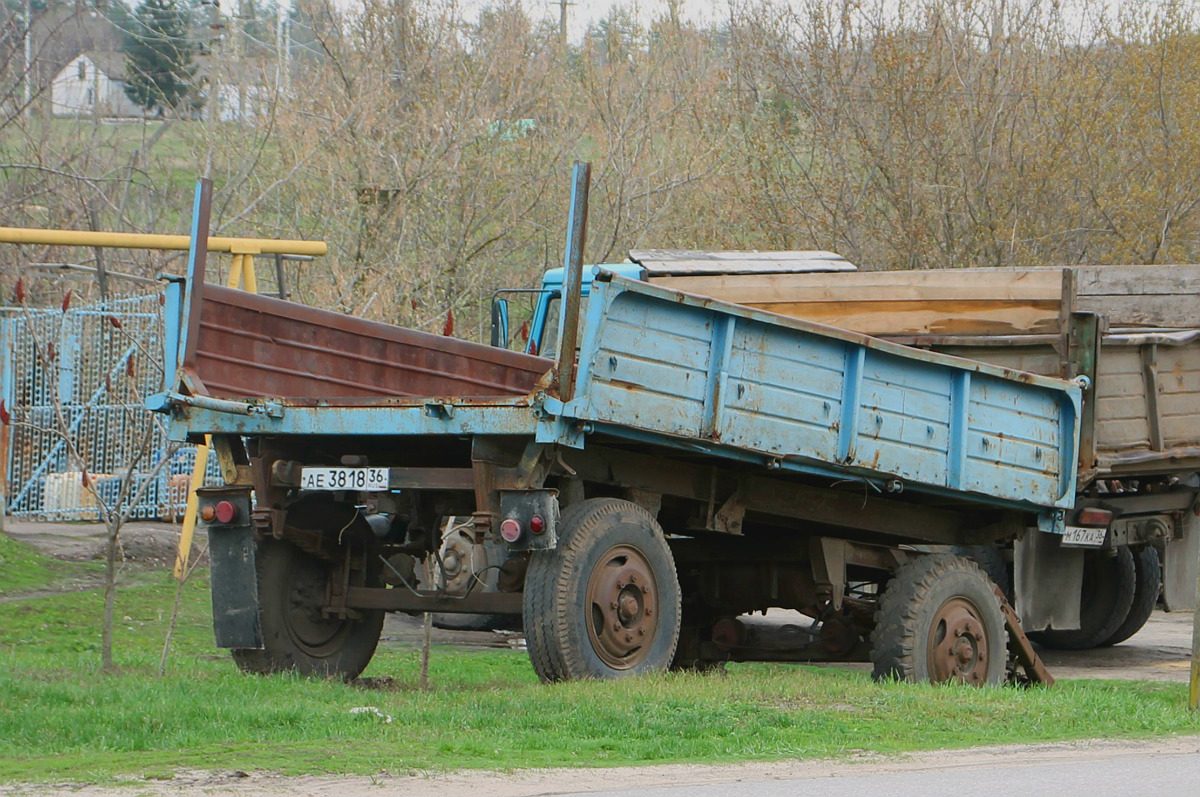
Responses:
[1133,332]
[680,462]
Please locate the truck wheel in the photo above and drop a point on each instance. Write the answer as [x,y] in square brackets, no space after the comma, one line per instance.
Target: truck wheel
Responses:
[939,620]
[1104,602]
[296,636]
[1147,583]
[605,602]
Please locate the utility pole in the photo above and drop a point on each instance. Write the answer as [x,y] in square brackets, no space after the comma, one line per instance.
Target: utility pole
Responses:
[282,46]
[215,25]
[28,48]
[238,57]
[562,25]
[287,53]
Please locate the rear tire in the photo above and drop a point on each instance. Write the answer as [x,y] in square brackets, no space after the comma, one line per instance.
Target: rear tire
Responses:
[1146,587]
[939,621]
[1106,598]
[605,602]
[296,636]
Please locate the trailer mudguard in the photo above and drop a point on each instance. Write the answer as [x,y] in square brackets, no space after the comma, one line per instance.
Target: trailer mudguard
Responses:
[234,574]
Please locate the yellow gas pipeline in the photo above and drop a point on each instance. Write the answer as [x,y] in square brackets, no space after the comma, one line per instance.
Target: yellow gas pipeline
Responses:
[137,240]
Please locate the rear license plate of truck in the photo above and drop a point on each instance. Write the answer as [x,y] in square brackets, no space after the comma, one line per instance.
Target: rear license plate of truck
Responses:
[361,479]
[1083,537]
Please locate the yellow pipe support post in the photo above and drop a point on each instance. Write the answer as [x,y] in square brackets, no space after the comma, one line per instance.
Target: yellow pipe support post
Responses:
[241,275]
[235,272]
[248,276]
[1194,684]
[137,240]
[191,508]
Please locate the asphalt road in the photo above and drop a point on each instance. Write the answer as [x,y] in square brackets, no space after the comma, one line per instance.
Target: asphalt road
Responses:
[1150,776]
[1158,768]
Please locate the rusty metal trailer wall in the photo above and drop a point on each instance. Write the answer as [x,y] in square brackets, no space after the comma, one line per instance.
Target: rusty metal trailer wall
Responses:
[250,345]
[819,398]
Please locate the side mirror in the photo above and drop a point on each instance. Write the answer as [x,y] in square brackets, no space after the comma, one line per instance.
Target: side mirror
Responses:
[500,323]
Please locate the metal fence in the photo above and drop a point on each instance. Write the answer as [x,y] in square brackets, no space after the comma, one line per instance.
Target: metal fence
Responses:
[73,383]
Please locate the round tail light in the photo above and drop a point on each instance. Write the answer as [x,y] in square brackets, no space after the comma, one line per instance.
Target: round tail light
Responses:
[226,512]
[510,530]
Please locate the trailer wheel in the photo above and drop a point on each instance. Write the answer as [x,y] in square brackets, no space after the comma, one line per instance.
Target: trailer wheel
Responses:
[296,636]
[1147,584]
[939,620]
[1106,598]
[605,602]
[991,560]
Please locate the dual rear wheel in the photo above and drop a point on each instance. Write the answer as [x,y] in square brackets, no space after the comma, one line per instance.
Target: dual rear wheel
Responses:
[1119,592]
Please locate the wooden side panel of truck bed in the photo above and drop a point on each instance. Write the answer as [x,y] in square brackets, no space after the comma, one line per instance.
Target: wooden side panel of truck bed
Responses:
[1147,396]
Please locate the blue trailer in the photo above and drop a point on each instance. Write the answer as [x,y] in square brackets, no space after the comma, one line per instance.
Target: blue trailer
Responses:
[681,462]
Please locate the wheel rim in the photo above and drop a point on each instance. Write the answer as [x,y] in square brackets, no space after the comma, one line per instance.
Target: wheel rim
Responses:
[958,646]
[622,603]
[308,628]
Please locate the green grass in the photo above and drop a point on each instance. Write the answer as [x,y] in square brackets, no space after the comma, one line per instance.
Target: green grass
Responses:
[61,717]
[23,569]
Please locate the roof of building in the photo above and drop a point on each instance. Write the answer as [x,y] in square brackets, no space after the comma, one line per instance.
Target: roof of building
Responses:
[109,62]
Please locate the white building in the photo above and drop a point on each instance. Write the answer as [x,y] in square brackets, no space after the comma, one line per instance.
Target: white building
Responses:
[92,84]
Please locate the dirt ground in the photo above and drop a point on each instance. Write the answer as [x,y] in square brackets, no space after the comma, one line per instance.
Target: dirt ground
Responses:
[148,543]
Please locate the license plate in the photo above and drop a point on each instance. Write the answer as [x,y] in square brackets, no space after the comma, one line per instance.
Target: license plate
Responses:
[361,479]
[1083,537]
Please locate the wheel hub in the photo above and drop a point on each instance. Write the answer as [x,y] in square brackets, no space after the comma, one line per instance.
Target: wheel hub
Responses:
[958,649]
[305,622]
[622,597]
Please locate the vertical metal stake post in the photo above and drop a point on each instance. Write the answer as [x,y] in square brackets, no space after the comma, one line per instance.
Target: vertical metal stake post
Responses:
[197,255]
[568,323]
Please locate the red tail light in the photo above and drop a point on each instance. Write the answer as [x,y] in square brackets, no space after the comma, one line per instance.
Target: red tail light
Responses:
[226,512]
[1094,516]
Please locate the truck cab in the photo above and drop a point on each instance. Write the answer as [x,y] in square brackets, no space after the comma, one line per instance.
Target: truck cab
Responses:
[535,331]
